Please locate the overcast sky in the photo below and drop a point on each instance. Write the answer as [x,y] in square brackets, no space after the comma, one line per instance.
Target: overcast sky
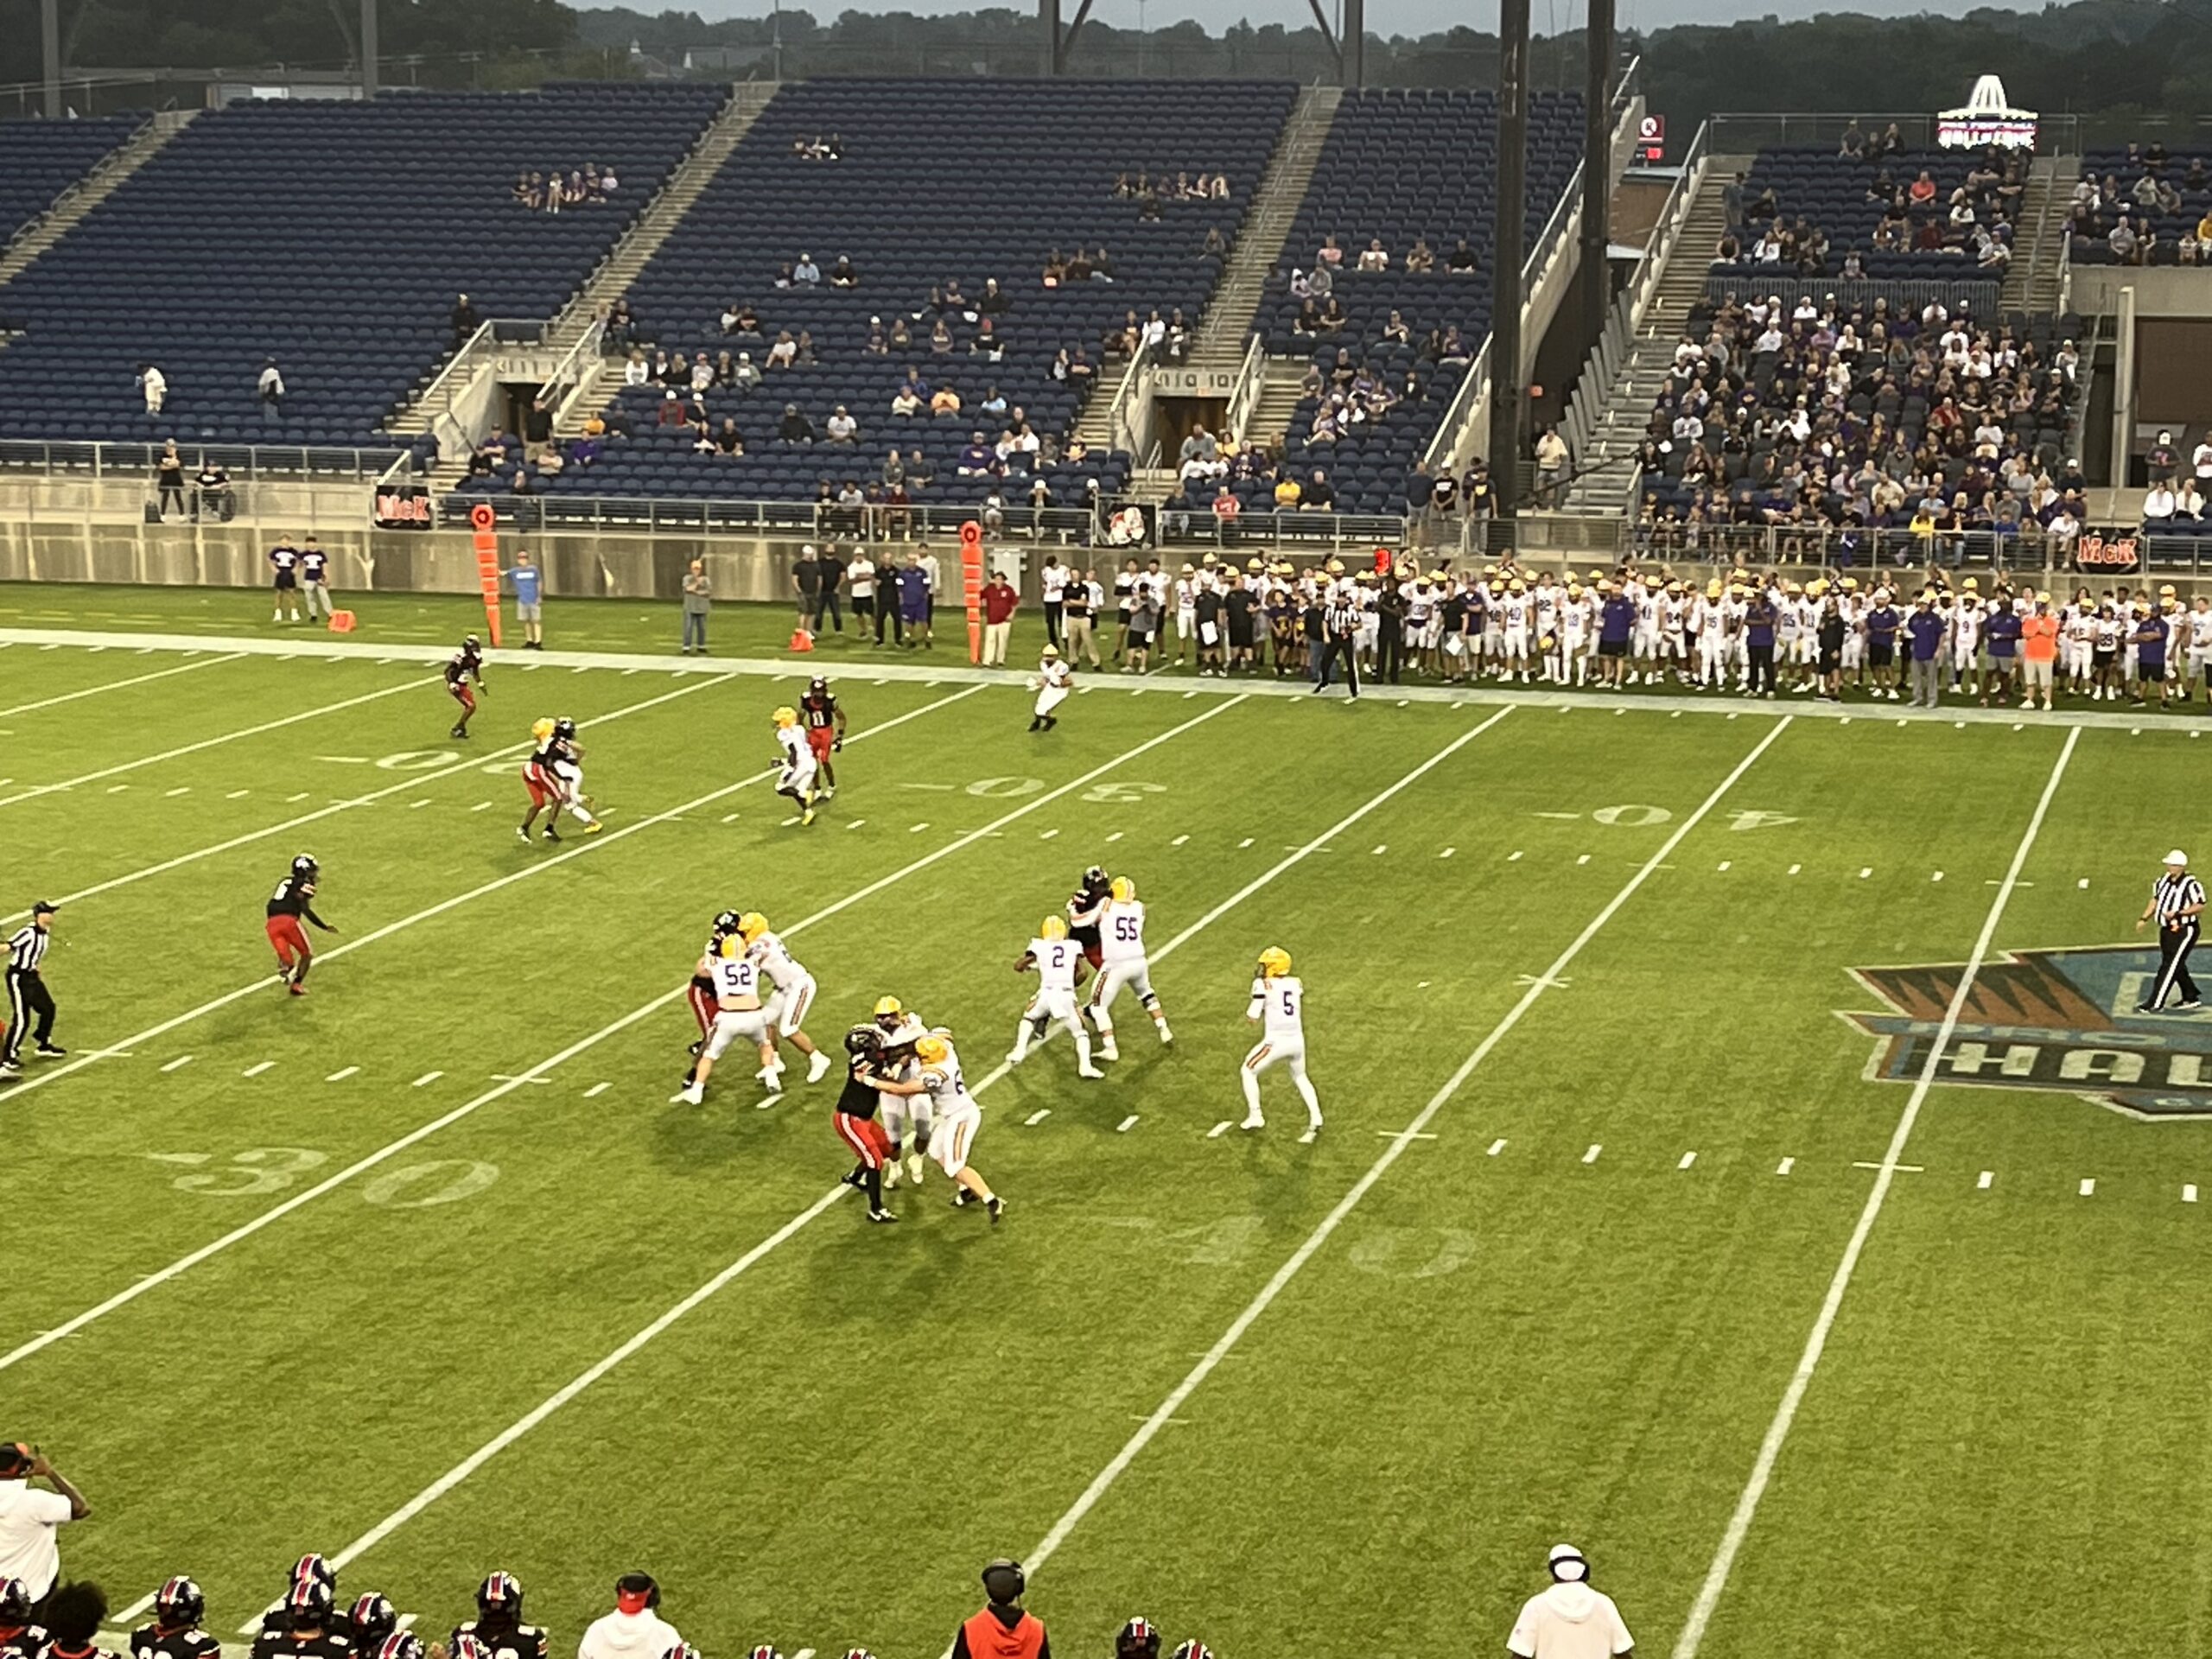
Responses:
[1383,17]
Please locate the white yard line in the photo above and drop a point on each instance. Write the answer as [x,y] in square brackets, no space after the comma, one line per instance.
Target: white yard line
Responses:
[118,685]
[39,1079]
[522,1426]
[1103,1481]
[182,749]
[1739,1523]
[413,780]
[247,1230]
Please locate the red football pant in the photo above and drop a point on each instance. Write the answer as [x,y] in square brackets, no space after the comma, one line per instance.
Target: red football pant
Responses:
[819,738]
[864,1135]
[703,1006]
[291,942]
[464,696]
[545,787]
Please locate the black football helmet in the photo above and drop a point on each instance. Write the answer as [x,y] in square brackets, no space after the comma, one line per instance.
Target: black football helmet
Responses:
[564,726]
[500,1596]
[371,1619]
[863,1042]
[305,865]
[816,686]
[1139,1639]
[725,923]
[312,1565]
[15,1603]
[309,1605]
[1095,876]
[471,645]
[179,1603]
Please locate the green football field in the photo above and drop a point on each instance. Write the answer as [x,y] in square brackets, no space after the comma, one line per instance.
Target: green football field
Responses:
[1741,1161]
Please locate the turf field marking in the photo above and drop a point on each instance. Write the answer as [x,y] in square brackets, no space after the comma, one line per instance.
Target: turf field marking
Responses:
[1513,856]
[178,1063]
[422,1132]
[1724,866]
[1688,1158]
[212,742]
[118,685]
[2088,1185]
[1585,859]
[1793,869]
[2188,1192]
[416,781]
[1126,1124]
[1220,1128]
[1740,1523]
[1049,1545]
[1496,1147]
[1864,874]
[1178,841]
[1938,876]
[1785,1166]
[855,823]
[1988,1176]
[597,1089]
[1037,1116]
[1404,1135]
[918,828]
[2084,882]
[1243,844]
[238,795]
[1590,1156]
[481,806]
[1382,848]
[118,789]
[1893,1168]
[257,1069]
[426,1079]
[342,1073]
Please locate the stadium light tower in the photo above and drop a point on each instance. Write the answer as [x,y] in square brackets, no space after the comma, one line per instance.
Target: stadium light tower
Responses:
[368,48]
[1598,173]
[49,23]
[1505,391]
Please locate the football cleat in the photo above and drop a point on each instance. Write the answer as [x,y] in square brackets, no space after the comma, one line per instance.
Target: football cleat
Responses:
[178,1604]
[997,1207]
[551,833]
[593,827]
[882,1215]
[817,1066]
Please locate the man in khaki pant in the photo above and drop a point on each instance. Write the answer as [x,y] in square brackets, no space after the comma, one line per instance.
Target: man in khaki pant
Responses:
[1078,606]
[1000,602]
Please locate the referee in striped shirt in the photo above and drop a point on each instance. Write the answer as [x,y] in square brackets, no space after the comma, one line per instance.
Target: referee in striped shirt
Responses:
[2177,903]
[27,997]
[1340,620]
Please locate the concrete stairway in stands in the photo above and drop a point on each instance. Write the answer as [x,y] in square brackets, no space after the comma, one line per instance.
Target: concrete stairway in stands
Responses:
[95,187]
[2032,281]
[1227,324]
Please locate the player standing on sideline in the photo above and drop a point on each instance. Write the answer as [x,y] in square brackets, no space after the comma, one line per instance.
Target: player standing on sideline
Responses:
[369,1622]
[2177,904]
[20,1638]
[529,583]
[1054,956]
[284,560]
[793,994]
[825,730]
[498,1624]
[174,1631]
[1120,928]
[294,901]
[315,584]
[463,667]
[1278,1004]
[700,993]
[955,1117]
[738,1013]
[73,1614]
[854,1118]
[28,1000]
[796,756]
[1051,686]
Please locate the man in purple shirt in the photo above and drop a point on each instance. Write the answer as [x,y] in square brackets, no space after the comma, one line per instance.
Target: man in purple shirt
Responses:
[1616,621]
[1924,632]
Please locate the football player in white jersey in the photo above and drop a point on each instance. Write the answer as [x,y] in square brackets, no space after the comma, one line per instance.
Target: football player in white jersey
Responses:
[1185,597]
[1053,956]
[738,1013]
[1643,646]
[1052,687]
[2198,632]
[1966,643]
[1789,626]
[1544,613]
[1515,610]
[955,1118]
[1121,963]
[1278,1007]
[1711,638]
[1574,636]
[907,1117]
[796,756]
[2078,629]
[791,996]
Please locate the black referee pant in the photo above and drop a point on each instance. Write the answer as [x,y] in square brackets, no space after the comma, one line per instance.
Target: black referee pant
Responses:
[2176,941]
[1332,650]
[30,1000]
[1390,650]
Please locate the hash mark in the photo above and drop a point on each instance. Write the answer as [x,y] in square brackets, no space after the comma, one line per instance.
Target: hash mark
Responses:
[1585,859]
[1178,841]
[1785,1166]
[240,794]
[1049,834]
[1037,1116]
[1688,1158]
[1117,835]
[1938,876]
[2084,882]
[341,1074]
[1864,874]
[1725,864]
[257,1070]
[1988,1177]
[481,806]
[918,828]
[416,806]
[729,817]
[2088,1185]
[428,1078]
[1590,1156]
[117,789]
[856,823]
[597,1089]
[302,796]
[181,1061]
[1496,1147]
[183,788]
[1383,849]
[1247,842]
[2188,1188]
[1126,1124]
[1513,856]
[1793,868]
[1220,1128]
[1448,852]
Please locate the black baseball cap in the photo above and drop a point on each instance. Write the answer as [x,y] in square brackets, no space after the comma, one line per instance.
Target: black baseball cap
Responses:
[14,1458]
[45,907]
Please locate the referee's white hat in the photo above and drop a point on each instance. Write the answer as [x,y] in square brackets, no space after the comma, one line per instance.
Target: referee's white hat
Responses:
[2178,857]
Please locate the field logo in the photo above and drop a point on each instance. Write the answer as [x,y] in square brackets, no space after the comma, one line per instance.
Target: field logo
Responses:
[2055,1020]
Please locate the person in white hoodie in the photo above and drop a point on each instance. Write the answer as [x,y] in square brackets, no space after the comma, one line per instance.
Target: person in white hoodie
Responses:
[1568,1619]
[635,1629]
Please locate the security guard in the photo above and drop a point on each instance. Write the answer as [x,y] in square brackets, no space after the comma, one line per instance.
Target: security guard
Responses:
[2177,903]
[27,997]
[1002,1629]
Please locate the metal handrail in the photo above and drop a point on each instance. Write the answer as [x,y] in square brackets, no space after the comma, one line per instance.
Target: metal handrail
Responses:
[1659,246]
[1120,434]
[1251,378]
[1748,131]
[245,461]
[74,188]
[574,369]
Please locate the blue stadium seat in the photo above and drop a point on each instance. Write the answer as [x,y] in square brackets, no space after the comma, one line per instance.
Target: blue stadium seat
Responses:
[40,159]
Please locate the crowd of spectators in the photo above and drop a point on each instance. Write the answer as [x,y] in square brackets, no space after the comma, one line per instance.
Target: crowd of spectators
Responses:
[2141,206]
[555,191]
[1819,415]
[1874,208]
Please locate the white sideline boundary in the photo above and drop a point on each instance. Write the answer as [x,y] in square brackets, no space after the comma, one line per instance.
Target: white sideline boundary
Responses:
[413,780]
[247,1230]
[1048,1546]
[183,749]
[523,1425]
[11,1092]
[1740,1523]
[119,686]
[949,669]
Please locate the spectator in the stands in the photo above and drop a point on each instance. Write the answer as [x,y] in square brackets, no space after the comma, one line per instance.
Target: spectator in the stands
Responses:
[805,273]
[156,386]
[1422,258]
[944,401]
[1332,253]
[522,483]
[269,391]
[785,353]
[211,497]
[843,275]
[1854,140]
[1461,260]
[745,373]
[1551,467]
[841,427]
[794,427]
[1375,256]
[1320,495]
[994,301]
[977,460]
[905,403]
[464,322]
[1217,244]
[2158,502]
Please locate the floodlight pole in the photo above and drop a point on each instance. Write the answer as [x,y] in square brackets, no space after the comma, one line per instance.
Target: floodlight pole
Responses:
[368,48]
[1511,196]
[49,23]
[1598,173]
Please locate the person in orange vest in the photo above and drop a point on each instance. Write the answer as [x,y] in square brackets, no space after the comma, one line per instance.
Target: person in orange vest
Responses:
[1002,1629]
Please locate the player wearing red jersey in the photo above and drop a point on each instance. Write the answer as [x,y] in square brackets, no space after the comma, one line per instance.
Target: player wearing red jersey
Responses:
[293,901]
[701,993]
[555,776]
[818,711]
[463,667]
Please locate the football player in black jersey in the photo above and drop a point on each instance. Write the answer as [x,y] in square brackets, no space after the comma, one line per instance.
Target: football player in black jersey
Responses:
[19,1638]
[371,1619]
[855,1117]
[465,665]
[293,901]
[1140,1639]
[301,1629]
[701,994]
[175,1632]
[75,1613]
[498,1626]
[1093,892]
[823,717]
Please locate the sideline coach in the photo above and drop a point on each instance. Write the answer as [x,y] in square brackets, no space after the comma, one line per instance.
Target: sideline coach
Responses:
[27,997]
[2177,903]
[29,1518]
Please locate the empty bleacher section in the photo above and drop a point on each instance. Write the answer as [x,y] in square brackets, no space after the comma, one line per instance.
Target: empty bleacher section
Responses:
[40,159]
[331,238]
[1401,169]
[931,184]
[2160,200]
[1897,429]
